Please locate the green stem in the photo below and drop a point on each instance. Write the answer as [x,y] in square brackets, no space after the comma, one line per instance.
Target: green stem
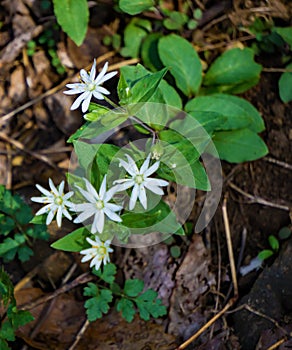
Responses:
[108,100]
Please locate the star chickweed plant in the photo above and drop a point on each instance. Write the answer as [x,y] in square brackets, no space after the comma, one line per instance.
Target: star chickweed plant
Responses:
[90,86]
[99,252]
[97,205]
[140,180]
[56,202]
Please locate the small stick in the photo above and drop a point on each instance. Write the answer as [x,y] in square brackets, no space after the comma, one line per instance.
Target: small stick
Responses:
[207,325]
[21,147]
[53,90]
[229,247]
[278,162]
[82,279]
[234,280]
[80,334]
[258,200]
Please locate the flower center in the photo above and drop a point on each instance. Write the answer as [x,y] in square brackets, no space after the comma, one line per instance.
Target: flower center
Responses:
[139,179]
[99,205]
[102,251]
[59,200]
[91,87]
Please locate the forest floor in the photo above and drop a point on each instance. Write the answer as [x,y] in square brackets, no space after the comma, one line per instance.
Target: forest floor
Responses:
[35,123]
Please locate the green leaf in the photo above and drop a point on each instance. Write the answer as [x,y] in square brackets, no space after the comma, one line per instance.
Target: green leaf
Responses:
[20,318]
[158,219]
[107,274]
[233,67]
[239,146]
[3,344]
[149,305]
[285,85]
[127,308]
[274,243]
[179,162]
[265,254]
[183,62]
[285,33]
[39,220]
[175,251]
[238,112]
[24,253]
[149,52]
[175,21]
[7,331]
[141,88]
[95,112]
[72,16]
[134,33]
[284,233]
[74,241]
[91,130]
[134,7]
[7,224]
[95,158]
[99,303]
[133,287]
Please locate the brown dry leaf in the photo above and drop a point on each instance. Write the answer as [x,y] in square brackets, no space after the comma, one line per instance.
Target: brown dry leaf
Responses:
[192,280]
[58,327]
[114,333]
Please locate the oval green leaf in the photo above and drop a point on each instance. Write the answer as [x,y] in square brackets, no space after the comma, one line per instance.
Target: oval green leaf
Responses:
[72,15]
[183,61]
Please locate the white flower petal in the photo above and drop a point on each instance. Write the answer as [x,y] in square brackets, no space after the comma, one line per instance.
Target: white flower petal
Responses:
[101,90]
[68,195]
[96,262]
[76,86]
[142,197]
[44,209]
[44,191]
[98,222]
[61,188]
[107,77]
[113,207]
[86,102]
[93,71]
[66,213]
[53,188]
[83,216]
[85,258]
[101,74]
[132,167]
[102,190]
[87,195]
[145,165]
[152,169]
[91,190]
[50,217]
[154,189]
[134,196]
[59,217]
[78,100]
[98,95]
[85,76]
[112,215]
[40,199]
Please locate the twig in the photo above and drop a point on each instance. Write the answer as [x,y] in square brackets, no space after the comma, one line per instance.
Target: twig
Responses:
[234,280]
[54,89]
[80,334]
[278,162]
[207,325]
[21,147]
[229,247]
[277,344]
[84,278]
[258,200]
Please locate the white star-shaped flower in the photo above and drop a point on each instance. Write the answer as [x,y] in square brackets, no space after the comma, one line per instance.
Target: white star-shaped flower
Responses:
[89,86]
[140,180]
[56,202]
[99,252]
[97,205]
